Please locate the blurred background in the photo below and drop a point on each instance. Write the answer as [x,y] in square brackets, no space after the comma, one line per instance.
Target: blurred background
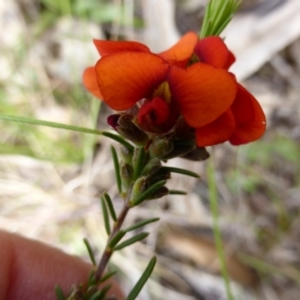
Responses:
[51,179]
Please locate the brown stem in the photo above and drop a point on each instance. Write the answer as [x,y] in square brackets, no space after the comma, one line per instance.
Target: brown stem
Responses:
[108,251]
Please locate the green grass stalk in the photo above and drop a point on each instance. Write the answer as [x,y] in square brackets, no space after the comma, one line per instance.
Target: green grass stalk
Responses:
[213,199]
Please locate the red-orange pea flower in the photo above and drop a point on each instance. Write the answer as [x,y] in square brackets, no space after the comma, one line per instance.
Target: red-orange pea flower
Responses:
[178,55]
[244,121]
[128,74]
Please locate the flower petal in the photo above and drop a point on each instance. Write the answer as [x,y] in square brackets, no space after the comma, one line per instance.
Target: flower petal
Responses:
[213,51]
[111,47]
[181,52]
[90,82]
[202,92]
[127,77]
[249,117]
[219,131]
[157,111]
[230,61]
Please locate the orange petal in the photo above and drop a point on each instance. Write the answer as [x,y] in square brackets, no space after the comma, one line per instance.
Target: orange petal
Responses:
[127,77]
[90,82]
[202,92]
[111,47]
[181,52]
[213,51]
[249,117]
[219,131]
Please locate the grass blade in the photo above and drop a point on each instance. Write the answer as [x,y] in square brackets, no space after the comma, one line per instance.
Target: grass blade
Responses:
[213,199]
[31,121]
[118,139]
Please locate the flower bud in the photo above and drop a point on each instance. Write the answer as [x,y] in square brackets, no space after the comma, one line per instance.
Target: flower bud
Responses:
[160,147]
[183,130]
[126,174]
[197,154]
[158,176]
[163,191]
[152,166]
[126,154]
[179,150]
[123,124]
[139,187]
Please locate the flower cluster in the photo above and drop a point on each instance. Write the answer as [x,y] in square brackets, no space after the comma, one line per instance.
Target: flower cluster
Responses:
[186,89]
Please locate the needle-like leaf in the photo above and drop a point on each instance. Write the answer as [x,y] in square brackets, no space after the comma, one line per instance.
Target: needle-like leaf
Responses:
[139,285]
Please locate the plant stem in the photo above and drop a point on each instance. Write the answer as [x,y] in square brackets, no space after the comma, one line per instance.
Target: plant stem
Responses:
[108,251]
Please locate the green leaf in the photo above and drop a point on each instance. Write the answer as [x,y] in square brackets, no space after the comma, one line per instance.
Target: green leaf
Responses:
[91,290]
[139,285]
[139,158]
[118,139]
[104,290]
[139,199]
[108,275]
[140,224]
[115,240]
[90,251]
[91,279]
[180,171]
[132,240]
[177,192]
[31,121]
[105,216]
[96,296]
[117,168]
[59,293]
[110,206]
[218,14]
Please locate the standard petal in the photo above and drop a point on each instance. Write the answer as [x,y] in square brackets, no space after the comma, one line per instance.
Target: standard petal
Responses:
[127,77]
[90,82]
[111,47]
[213,51]
[181,52]
[202,92]
[249,117]
[219,131]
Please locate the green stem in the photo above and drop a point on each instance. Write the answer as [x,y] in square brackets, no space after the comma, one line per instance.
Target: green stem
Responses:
[213,199]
